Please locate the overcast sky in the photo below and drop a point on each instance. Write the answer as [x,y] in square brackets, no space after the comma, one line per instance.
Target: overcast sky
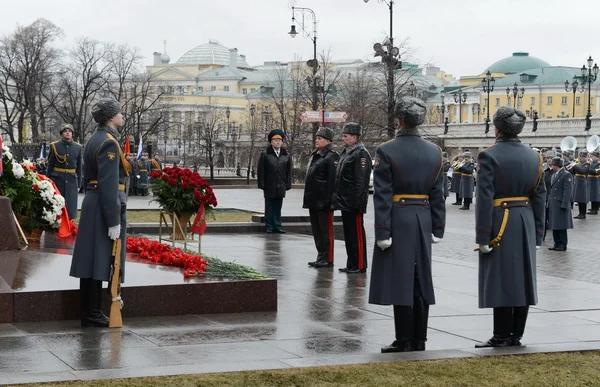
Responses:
[463,37]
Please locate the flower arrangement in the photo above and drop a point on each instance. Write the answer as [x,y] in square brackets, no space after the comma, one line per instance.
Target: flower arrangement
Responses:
[193,264]
[180,191]
[34,199]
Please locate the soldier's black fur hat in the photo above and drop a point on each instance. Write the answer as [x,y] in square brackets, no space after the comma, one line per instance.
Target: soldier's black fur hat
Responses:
[509,121]
[411,111]
[275,133]
[105,109]
[66,127]
[557,161]
[352,128]
[326,133]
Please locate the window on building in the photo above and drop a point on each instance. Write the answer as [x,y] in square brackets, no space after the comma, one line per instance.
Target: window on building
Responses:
[244,91]
[591,101]
[252,89]
[170,90]
[549,101]
[225,88]
[182,90]
[485,102]
[563,100]
[508,101]
[497,101]
[213,88]
[532,101]
[577,100]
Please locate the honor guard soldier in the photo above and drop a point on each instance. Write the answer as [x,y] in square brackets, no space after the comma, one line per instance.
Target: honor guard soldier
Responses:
[445,169]
[143,165]
[410,214]
[64,168]
[467,181]
[509,220]
[455,183]
[594,183]
[351,195]
[318,189]
[581,196]
[132,186]
[559,204]
[103,212]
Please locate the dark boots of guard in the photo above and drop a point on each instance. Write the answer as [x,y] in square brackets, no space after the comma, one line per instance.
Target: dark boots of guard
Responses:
[458,201]
[509,325]
[582,210]
[467,204]
[90,291]
[594,209]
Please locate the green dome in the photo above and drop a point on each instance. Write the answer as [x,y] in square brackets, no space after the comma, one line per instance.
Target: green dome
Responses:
[519,61]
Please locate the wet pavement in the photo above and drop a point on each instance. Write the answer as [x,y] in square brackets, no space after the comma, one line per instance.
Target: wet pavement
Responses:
[323,318]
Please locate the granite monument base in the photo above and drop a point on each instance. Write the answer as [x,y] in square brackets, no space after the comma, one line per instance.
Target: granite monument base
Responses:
[35,286]
[9,239]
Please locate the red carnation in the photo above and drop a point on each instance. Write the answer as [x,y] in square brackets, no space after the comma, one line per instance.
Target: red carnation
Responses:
[172,181]
[31,167]
[36,187]
[185,185]
[197,195]
[188,172]
[165,177]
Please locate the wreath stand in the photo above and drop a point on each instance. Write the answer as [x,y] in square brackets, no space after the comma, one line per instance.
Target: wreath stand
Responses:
[176,225]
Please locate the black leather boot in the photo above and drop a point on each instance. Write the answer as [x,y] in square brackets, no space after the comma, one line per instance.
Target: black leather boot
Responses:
[519,320]
[403,323]
[420,317]
[503,324]
[94,316]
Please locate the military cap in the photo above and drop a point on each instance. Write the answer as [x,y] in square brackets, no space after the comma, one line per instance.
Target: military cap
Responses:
[352,128]
[467,154]
[66,127]
[509,120]
[105,109]
[557,161]
[411,111]
[326,133]
[276,134]
[583,153]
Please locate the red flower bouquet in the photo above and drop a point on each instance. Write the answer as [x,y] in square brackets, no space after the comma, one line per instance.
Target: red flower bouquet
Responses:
[161,254]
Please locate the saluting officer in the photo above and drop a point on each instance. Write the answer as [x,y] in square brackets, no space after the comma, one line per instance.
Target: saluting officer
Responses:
[445,169]
[594,183]
[509,217]
[410,214]
[455,183]
[351,195]
[64,168]
[559,204]
[581,196]
[467,181]
[318,189]
[103,212]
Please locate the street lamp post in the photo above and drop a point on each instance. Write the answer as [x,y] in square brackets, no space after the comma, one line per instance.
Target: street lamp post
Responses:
[391,57]
[313,63]
[488,86]
[589,74]
[516,92]
[574,87]
[227,114]
[460,98]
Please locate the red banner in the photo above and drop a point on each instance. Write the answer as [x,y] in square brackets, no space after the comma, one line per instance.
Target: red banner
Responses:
[199,225]
[127,146]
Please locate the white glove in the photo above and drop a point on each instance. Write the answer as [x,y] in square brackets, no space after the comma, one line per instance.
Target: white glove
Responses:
[485,249]
[537,247]
[137,176]
[384,244]
[435,239]
[114,232]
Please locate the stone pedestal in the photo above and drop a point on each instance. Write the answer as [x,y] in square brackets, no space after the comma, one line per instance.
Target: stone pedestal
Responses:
[9,238]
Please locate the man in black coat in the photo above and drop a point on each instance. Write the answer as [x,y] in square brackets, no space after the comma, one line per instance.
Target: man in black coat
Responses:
[351,194]
[548,171]
[445,169]
[274,178]
[318,189]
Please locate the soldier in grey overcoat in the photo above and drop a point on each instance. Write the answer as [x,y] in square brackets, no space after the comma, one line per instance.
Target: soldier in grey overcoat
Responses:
[410,215]
[64,168]
[559,205]
[103,212]
[455,183]
[467,181]
[581,197]
[509,219]
[143,166]
[594,183]
[445,169]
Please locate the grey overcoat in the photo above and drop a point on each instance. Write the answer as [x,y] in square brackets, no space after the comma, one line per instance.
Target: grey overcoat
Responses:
[507,275]
[594,182]
[104,206]
[455,182]
[411,223]
[64,168]
[445,168]
[467,181]
[559,201]
[581,186]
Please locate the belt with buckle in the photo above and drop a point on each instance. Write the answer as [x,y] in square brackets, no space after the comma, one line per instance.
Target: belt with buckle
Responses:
[94,185]
[64,170]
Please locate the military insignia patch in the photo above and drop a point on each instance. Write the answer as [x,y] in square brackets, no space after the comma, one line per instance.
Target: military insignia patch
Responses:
[336,162]
[111,156]
[363,162]
[376,163]
[569,179]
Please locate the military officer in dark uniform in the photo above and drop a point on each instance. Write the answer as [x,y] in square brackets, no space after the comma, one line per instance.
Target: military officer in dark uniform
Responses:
[64,168]
[133,177]
[351,194]
[509,221]
[455,183]
[568,164]
[594,183]
[445,169]
[410,215]
[581,197]
[103,212]
[318,189]
[143,165]
[559,205]
[467,181]
[548,171]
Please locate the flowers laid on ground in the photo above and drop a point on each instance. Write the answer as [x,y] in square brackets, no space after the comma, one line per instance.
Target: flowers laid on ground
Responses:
[192,264]
[34,199]
[181,191]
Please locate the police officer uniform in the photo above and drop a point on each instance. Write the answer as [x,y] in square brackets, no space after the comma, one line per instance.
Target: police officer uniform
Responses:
[581,195]
[408,199]
[509,219]
[102,211]
[455,183]
[594,183]
[350,196]
[318,189]
[64,168]
[467,181]
[559,205]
